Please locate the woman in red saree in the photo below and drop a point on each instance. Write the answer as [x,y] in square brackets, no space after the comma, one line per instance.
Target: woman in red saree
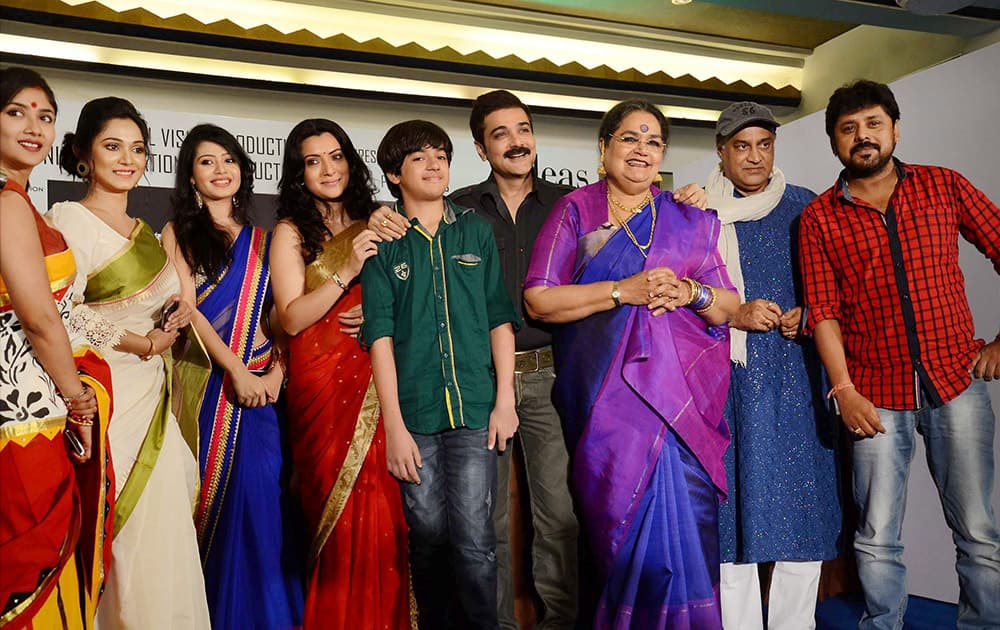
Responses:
[54,516]
[359,576]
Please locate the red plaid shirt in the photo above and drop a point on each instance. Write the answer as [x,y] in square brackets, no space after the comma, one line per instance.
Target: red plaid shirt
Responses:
[894,285]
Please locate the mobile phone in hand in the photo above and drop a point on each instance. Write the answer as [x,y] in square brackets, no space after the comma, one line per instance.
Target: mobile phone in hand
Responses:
[168,310]
[74,443]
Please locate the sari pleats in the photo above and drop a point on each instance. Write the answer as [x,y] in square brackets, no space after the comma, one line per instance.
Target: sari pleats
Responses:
[353,511]
[252,576]
[642,399]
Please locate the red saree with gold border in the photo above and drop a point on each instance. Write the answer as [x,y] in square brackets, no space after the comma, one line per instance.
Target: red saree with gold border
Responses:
[359,575]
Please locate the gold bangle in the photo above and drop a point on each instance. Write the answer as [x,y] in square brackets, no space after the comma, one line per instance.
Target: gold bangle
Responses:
[711,301]
[79,421]
[695,289]
[149,353]
[339,281]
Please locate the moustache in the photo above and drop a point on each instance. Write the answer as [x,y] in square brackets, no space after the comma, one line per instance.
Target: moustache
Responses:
[865,145]
[514,152]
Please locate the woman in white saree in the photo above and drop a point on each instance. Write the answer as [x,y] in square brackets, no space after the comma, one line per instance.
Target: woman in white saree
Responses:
[128,311]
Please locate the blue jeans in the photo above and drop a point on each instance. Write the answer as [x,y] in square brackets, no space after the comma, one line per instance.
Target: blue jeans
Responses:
[452,541]
[958,438]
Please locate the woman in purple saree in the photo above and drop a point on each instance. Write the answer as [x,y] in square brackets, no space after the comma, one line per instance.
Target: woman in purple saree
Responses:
[642,362]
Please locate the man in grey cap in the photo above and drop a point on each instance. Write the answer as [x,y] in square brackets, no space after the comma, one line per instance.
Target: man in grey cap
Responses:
[782,504]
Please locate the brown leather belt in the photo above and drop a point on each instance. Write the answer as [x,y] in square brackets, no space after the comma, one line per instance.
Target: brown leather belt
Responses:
[533,360]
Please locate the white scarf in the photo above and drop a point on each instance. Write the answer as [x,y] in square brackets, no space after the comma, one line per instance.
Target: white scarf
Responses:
[732,210]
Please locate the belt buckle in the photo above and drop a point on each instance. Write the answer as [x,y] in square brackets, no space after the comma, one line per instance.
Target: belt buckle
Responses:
[524,369]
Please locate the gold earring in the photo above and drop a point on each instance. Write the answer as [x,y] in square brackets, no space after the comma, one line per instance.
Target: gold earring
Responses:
[82,169]
[197,198]
[601,171]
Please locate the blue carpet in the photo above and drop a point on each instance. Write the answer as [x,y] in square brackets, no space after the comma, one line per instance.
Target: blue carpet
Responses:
[844,611]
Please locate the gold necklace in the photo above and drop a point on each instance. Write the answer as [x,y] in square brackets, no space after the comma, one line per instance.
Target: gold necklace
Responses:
[628,230]
[634,209]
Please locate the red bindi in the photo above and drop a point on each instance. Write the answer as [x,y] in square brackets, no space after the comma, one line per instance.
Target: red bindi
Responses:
[34,105]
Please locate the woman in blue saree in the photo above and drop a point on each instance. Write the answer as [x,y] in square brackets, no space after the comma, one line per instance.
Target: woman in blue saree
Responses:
[251,576]
[642,352]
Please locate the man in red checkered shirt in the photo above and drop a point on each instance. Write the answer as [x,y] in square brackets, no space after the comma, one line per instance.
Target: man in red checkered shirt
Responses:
[887,306]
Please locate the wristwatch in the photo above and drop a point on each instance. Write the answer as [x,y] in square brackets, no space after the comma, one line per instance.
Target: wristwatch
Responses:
[616,295]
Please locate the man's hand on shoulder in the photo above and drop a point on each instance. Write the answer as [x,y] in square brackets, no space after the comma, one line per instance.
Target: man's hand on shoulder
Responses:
[986,365]
[693,195]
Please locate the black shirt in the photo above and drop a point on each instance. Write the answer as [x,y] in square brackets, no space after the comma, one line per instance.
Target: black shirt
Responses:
[515,241]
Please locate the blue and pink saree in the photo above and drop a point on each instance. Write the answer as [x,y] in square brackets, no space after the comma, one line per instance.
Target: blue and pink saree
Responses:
[642,399]
[251,578]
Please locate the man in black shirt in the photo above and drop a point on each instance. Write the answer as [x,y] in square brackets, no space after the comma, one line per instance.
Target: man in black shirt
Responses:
[516,203]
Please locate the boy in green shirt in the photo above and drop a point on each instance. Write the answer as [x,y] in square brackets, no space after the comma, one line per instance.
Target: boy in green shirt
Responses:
[440,326]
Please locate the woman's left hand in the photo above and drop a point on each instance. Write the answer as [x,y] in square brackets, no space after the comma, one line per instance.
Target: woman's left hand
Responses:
[351,321]
[692,195]
[83,432]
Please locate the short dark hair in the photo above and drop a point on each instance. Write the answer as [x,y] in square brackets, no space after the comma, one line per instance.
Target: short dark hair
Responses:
[405,138]
[488,103]
[17,78]
[203,244]
[857,96]
[296,203]
[94,117]
[614,117]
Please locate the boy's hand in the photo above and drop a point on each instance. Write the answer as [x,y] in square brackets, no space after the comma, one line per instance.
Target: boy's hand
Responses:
[403,456]
[503,425]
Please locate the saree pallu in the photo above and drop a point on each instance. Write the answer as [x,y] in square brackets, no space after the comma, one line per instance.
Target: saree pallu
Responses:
[642,398]
[359,573]
[251,577]
[155,580]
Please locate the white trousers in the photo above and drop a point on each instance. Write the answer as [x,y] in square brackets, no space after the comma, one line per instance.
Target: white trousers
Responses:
[792,597]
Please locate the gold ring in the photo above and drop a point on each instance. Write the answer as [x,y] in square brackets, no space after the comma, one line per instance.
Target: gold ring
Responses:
[859,430]
[385,222]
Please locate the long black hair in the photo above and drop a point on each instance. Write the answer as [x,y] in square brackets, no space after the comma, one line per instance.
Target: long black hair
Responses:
[94,117]
[203,244]
[295,202]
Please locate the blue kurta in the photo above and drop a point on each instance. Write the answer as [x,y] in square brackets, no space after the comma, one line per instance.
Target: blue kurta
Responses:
[783,500]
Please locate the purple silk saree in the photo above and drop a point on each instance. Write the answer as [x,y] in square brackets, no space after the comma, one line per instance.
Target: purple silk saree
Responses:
[642,399]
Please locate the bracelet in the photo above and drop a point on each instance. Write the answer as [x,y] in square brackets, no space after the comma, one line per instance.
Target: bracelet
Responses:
[69,400]
[149,353]
[711,300]
[839,387]
[339,281]
[79,421]
[696,289]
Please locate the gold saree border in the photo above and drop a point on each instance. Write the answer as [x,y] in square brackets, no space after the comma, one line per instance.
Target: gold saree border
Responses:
[24,432]
[364,433]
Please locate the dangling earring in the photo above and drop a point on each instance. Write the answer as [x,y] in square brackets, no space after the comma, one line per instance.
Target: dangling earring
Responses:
[82,169]
[197,197]
[236,201]
[601,171]
[658,179]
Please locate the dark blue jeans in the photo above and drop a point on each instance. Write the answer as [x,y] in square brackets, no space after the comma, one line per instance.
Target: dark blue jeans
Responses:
[452,541]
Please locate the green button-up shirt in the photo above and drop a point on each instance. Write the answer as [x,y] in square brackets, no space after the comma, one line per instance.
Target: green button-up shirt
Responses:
[438,297]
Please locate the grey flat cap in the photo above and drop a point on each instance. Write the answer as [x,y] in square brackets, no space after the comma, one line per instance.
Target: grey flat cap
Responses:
[743,114]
